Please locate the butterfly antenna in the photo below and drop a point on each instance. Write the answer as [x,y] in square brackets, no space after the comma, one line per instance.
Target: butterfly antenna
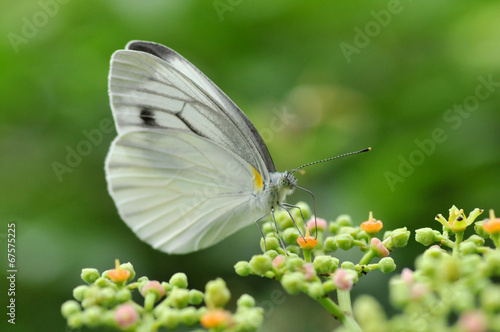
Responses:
[328,159]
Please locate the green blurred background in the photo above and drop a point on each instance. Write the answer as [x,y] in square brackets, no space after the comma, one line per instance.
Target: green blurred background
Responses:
[415,68]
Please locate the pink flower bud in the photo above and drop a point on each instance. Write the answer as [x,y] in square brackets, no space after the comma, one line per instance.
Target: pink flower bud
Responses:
[319,221]
[126,315]
[155,286]
[379,247]
[342,279]
[473,321]
[278,261]
[407,275]
[309,271]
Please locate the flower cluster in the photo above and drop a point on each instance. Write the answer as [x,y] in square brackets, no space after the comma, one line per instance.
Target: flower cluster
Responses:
[450,290]
[106,300]
[306,264]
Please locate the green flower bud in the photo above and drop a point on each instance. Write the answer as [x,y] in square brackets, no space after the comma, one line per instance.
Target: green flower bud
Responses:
[293,282]
[306,210]
[328,286]
[242,268]
[386,265]
[476,239]
[325,264]
[217,294]
[348,265]
[369,314]
[283,219]
[344,220]
[92,316]
[166,286]
[260,264]
[294,263]
[195,297]
[290,235]
[79,292]
[387,234]
[269,243]
[435,253]
[353,232]
[246,300]
[492,259]
[464,300]
[468,248]
[330,244]
[123,295]
[344,241]
[292,249]
[268,228]
[478,227]
[102,282]
[362,235]
[128,266]
[399,237]
[333,227]
[271,253]
[179,279]
[490,298]
[399,292]
[428,266]
[106,297]
[248,320]
[90,275]
[189,316]
[69,308]
[470,265]
[75,321]
[425,236]
[178,298]
[315,290]
[170,318]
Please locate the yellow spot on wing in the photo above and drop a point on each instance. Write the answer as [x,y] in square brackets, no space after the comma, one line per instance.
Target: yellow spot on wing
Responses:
[257,180]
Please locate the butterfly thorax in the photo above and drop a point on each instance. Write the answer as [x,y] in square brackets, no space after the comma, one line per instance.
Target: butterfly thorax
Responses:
[275,191]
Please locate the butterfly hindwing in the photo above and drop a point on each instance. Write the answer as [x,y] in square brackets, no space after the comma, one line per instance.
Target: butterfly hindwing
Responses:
[180,192]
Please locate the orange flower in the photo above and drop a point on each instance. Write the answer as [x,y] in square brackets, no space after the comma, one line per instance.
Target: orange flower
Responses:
[118,274]
[307,242]
[492,226]
[215,318]
[372,226]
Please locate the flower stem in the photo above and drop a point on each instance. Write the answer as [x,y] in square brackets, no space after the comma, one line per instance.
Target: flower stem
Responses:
[459,236]
[149,301]
[369,255]
[344,297]
[307,255]
[332,308]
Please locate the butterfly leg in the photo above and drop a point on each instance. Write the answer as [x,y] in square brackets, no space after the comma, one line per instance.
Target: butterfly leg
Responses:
[278,232]
[260,230]
[284,207]
[314,207]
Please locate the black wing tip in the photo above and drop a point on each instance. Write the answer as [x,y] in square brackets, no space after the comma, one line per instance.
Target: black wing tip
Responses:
[158,50]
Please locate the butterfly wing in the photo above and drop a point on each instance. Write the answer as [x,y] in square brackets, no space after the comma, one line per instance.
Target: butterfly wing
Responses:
[181,192]
[152,86]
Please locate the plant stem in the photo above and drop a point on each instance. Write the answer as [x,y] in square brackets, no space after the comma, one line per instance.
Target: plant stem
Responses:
[367,257]
[332,308]
[307,255]
[459,236]
[344,297]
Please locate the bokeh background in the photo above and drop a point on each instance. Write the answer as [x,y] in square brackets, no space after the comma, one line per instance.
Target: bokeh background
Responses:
[385,74]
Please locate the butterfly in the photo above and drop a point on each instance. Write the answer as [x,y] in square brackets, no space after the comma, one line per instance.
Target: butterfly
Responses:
[187,168]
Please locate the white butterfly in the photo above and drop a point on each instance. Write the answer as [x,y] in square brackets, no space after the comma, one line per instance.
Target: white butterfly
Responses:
[188,168]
